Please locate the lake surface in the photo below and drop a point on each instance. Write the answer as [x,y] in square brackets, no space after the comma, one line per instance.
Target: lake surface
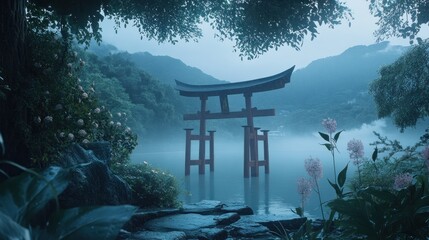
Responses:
[273,193]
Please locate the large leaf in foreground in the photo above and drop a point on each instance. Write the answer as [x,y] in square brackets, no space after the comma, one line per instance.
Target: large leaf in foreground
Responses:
[23,198]
[93,223]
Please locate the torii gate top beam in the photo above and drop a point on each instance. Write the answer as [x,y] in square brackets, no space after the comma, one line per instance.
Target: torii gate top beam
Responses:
[257,85]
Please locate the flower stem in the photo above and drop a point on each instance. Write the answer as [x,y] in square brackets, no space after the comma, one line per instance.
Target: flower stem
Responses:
[320,199]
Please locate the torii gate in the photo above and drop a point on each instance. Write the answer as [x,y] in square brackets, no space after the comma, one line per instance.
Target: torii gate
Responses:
[251,136]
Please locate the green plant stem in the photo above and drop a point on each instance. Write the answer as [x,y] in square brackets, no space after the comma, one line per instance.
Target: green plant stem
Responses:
[320,199]
[335,169]
[360,179]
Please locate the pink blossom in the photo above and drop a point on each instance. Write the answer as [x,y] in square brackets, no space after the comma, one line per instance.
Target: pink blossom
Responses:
[97,110]
[62,134]
[402,180]
[118,124]
[70,136]
[304,188]
[313,167]
[85,141]
[84,95]
[82,133]
[48,119]
[80,122]
[330,125]
[355,148]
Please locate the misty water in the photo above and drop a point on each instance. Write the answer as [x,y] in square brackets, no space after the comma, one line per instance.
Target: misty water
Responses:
[273,193]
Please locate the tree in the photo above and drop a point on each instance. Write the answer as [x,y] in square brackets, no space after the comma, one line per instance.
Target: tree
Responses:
[255,26]
[402,90]
[400,18]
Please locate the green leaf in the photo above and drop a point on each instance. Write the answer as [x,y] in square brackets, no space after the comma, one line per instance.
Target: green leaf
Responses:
[328,146]
[94,223]
[337,189]
[375,154]
[342,176]
[9,229]
[2,148]
[324,136]
[337,135]
[23,198]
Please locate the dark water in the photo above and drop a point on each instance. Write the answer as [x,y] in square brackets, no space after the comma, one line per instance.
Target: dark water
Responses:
[274,193]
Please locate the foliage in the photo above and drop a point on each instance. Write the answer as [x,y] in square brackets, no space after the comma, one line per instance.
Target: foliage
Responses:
[255,26]
[151,187]
[150,105]
[390,159]
[25,201]
[402,90]
[376,213]
[400,18]
[62,110]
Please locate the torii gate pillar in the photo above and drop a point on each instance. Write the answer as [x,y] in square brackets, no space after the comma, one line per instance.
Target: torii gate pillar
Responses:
[251,135]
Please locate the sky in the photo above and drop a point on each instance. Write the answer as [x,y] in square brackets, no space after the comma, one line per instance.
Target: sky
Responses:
[219,60]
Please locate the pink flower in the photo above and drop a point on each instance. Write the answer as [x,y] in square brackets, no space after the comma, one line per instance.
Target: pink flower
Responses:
[85,141]
[313,167]
[48,119]
[355,148]
[402,180]
[84,95]
[70,136]
[330,125]
[82,133]
[304,188]
[97,110]
[80,122]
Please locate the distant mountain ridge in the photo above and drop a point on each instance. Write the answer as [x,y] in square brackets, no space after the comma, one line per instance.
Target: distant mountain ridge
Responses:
[335,86]
[167,69]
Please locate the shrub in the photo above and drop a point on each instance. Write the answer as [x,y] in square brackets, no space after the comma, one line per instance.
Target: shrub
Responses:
[151,187]
[62,110]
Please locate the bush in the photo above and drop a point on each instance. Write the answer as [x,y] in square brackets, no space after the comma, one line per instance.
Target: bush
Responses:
[151,187]
[62,110]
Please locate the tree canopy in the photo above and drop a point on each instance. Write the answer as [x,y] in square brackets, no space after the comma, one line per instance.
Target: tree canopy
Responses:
[255,26]
[402,90]
[400,18]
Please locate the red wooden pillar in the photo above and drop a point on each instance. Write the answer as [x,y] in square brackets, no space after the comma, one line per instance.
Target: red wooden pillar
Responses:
[254,148]
[202,137]
[188,151]
[266,154]
[246,151]
[211,160]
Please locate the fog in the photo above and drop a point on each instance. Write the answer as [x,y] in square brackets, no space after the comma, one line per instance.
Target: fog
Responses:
[275,192]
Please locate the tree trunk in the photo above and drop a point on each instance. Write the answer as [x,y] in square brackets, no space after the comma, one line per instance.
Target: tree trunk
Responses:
[12,66]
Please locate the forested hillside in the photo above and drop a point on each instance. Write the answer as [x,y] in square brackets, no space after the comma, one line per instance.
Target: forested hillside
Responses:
[142,85]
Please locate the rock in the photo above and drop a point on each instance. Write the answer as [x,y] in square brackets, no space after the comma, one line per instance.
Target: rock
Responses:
[203,207]
[149,235]
[143,215]
[92,182]
[249,229]
[237,207]
[276,222]
[181,222]
[209,234]
[227,218]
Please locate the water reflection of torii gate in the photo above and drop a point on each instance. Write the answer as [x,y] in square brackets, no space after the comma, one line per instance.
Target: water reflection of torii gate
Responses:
[251,136]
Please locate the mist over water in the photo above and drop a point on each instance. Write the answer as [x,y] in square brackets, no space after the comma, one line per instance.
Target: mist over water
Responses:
[274,193]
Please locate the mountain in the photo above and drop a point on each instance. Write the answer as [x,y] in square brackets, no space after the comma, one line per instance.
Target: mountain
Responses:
[167,69]
[335,87]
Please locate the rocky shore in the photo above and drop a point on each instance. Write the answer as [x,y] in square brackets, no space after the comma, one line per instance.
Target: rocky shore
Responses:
[208,219]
